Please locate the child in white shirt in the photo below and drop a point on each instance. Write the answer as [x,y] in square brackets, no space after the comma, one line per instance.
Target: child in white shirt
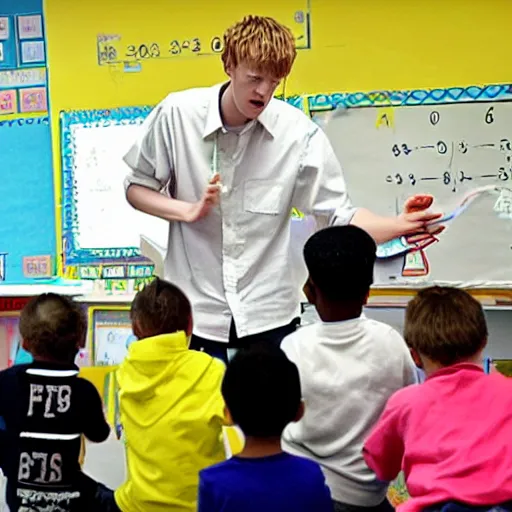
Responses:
[349,366]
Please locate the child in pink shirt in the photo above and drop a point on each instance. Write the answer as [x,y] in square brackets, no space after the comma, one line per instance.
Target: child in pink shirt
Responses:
[451,435]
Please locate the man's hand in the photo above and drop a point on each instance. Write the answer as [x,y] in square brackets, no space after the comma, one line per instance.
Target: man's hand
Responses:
[207,202]
[415,217]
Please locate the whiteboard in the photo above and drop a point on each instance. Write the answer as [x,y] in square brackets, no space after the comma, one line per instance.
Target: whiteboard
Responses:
[447,150]
[98,221]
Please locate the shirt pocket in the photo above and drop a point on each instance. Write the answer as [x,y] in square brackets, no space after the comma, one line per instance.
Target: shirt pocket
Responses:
[264,196]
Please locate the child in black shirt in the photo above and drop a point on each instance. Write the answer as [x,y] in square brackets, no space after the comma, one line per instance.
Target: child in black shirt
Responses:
[45,409]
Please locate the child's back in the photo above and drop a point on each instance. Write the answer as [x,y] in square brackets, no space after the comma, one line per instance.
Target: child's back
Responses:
[452,434]
[456,430]
[275,483]
[262,393]
[348,371]
[172,414]
[349,366]
[45,408]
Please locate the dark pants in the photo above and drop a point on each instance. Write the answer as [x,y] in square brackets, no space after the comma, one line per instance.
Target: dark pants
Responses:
[385,506]
[96,496]
[220,350]
[453,506]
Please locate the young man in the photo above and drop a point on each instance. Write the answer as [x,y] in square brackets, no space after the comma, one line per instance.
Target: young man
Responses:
[234,161]
[262,392]
[349,366]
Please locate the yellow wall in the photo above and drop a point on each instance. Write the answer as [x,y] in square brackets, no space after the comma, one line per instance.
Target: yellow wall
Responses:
[356,46]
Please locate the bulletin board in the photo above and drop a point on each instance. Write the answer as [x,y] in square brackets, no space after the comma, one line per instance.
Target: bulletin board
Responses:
[111,334]
[99,226]
[23,83]
[27,207]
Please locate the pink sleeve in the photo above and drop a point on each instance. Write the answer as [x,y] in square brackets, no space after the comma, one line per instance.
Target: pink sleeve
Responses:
[383,451]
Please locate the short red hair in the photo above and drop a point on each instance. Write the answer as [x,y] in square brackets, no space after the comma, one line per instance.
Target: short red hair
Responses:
[260,42]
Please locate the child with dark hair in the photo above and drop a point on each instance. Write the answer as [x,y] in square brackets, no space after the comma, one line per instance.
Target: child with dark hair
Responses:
[262,392]
[349,366]
[46,408]
[451,435]
[171,406]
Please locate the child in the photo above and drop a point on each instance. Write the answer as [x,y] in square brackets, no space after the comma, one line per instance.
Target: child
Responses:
[262,393]
[452,435]
[45,408]
[172,410]
[349,366]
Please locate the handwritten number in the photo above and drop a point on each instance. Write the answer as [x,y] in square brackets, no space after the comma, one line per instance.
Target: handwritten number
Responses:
[143,51]
[505,145]
[396,150]
[434,117]
[463,147]
[175,48]
[503,175]
[216,45]
[441,147]
[196,45]
[397,178]
[447,178]
[464,177]
[131,51]
[405,149]
[489,116]
[412,179]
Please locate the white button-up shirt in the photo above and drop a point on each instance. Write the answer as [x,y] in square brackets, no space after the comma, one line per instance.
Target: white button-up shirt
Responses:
[235,262]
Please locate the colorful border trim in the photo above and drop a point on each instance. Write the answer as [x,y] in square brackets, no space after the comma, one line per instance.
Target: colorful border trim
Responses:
[72,253]
[323,102]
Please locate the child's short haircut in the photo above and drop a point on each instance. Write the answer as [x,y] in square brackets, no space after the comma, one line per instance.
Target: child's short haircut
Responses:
[261,389]
[445,324]
[53,326]
[340,261]
[261,42]
[161,308]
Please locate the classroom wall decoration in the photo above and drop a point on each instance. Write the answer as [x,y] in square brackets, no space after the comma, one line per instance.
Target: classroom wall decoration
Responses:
[22,58]
[101,231]
[454,143]
[112,334]
[27,208]
[132,47]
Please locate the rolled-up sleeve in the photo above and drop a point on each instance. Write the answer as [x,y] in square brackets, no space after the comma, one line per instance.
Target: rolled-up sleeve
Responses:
[320,189]
[150,157]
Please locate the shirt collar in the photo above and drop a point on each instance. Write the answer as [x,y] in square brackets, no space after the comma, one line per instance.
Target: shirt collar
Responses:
[267,118]
[454,368]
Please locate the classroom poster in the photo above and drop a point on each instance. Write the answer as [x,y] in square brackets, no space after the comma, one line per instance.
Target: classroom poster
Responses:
[112,335]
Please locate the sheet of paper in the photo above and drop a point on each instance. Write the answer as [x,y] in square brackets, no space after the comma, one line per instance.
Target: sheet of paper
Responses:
[104,217]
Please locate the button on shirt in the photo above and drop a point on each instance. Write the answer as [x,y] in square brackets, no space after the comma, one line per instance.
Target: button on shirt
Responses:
[235,262]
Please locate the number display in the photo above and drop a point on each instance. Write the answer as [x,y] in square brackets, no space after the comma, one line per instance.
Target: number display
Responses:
[489,116]
[108,53]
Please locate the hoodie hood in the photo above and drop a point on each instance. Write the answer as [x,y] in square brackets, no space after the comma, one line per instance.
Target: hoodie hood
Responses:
[172,414]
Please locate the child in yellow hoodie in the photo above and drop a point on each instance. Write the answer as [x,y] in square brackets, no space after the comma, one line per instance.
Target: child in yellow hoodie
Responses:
[172,411]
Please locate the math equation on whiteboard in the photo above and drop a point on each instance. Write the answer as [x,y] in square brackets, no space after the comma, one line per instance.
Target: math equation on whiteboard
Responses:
[111,50]
[456,172]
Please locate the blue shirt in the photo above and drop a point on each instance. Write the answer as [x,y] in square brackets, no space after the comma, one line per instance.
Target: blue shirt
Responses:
[278,483]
